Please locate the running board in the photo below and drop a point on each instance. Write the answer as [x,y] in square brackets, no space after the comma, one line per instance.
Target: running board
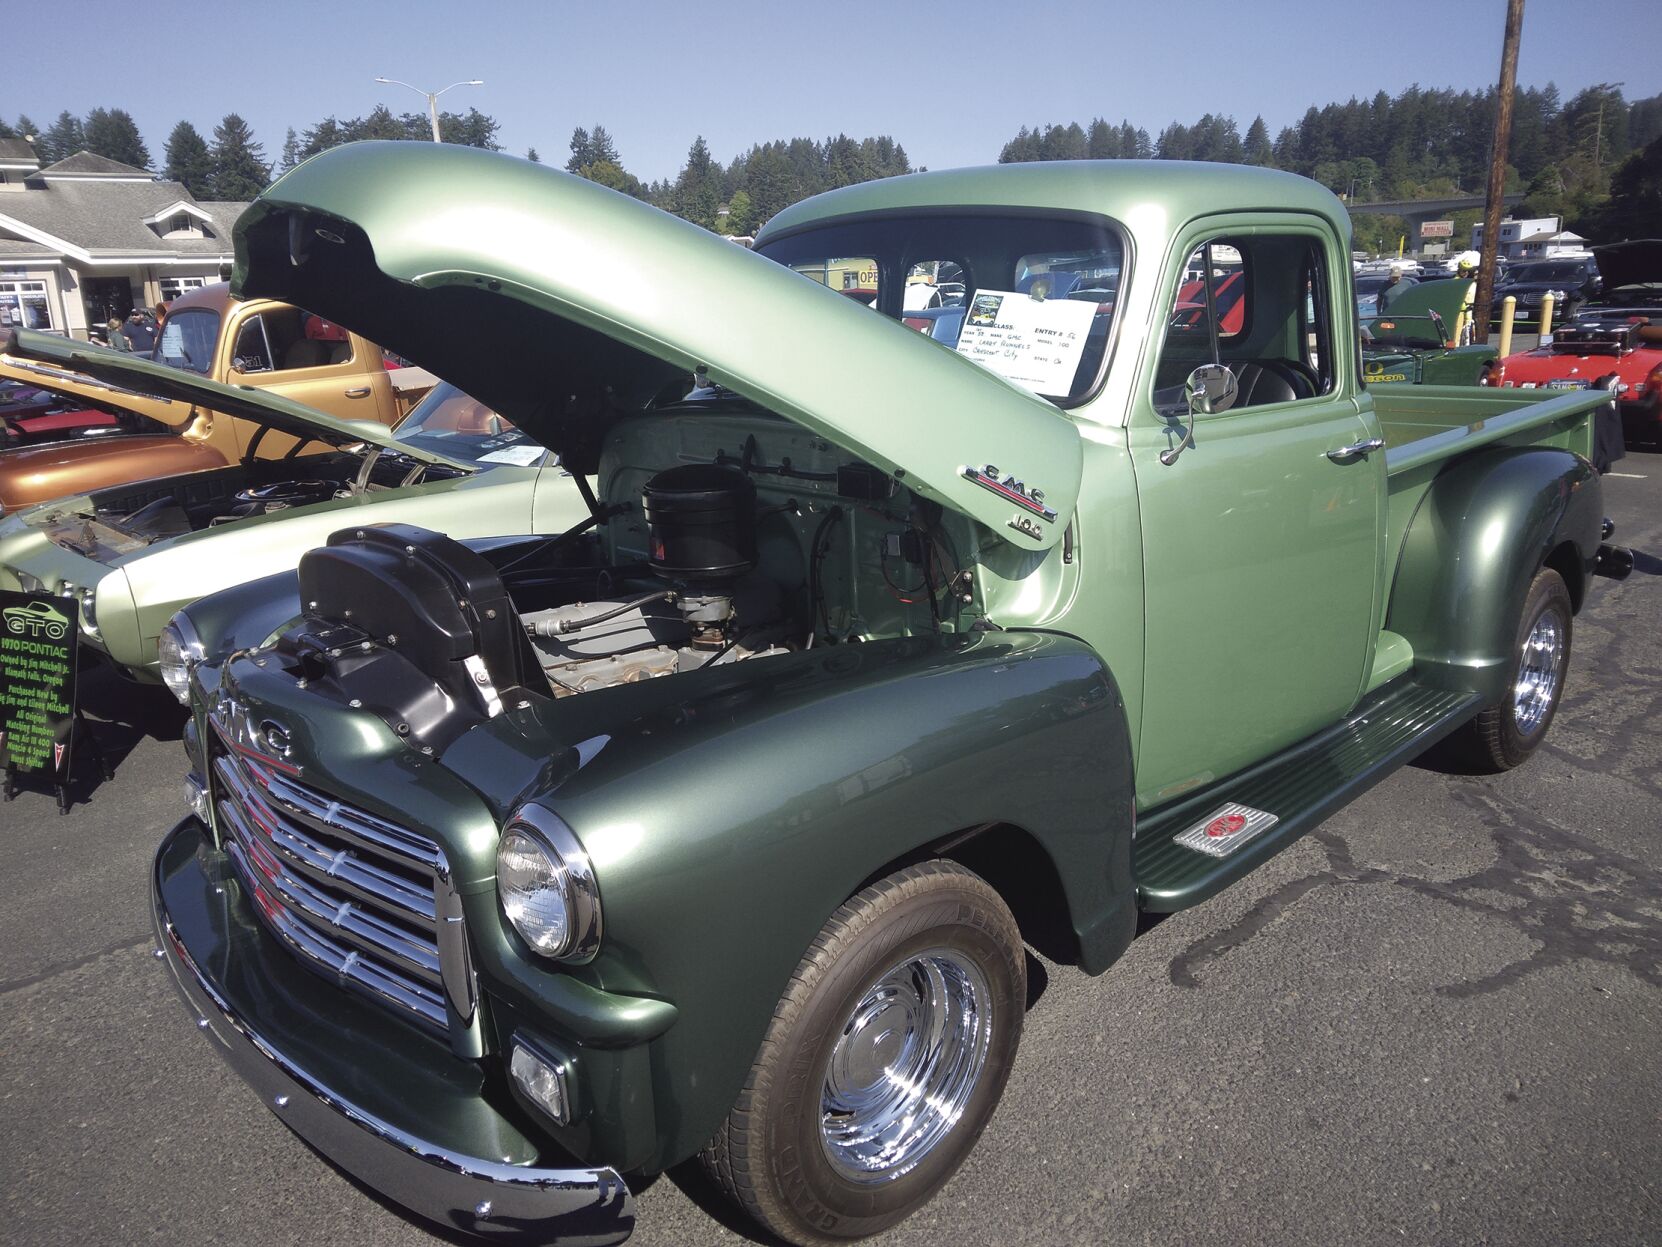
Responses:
[1189,851]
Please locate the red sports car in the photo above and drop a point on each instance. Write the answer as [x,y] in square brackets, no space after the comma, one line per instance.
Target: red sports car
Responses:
[1613,343]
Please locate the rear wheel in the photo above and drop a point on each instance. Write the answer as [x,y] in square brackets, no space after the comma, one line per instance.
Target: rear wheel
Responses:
[884,1061]
[1505,734]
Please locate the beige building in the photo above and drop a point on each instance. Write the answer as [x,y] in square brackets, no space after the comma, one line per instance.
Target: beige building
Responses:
[89,238]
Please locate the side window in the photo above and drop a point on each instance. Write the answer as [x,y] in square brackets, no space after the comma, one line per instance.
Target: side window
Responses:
[301,340]
[1259,305]
[252,353]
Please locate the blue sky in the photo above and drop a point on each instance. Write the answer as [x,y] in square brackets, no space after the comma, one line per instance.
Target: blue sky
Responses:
[951,82]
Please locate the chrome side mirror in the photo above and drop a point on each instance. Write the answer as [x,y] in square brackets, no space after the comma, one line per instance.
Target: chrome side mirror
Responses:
[1211,388]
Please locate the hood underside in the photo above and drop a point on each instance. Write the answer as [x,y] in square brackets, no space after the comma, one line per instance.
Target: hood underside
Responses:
[562,304]
[1630,263]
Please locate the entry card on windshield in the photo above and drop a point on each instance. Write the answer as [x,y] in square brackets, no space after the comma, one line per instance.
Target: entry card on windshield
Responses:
[1037,343]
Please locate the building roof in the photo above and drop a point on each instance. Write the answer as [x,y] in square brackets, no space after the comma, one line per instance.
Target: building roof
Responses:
[17,151]
[1562,235]
[13,249]
[95,216]
[85,164]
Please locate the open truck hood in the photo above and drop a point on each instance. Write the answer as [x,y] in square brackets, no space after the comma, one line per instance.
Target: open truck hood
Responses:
[142,377]
[1630,263]
[561,304]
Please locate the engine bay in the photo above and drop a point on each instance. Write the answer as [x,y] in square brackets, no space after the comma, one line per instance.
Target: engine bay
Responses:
[127,518]
[719,536]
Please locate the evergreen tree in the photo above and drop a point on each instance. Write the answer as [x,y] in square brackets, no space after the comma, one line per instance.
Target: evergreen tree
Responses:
[381,124]
[740,214]
[531,155]
[609,173]
[601,147]
[112,133]
[1644,121]
[472,129]
[27,129]
[1635,205]
[1102,142]
[697,190]
[291,151]
[321,137]
[582,151]
[189,162]
[63,140]
[240,170]
[1257,147]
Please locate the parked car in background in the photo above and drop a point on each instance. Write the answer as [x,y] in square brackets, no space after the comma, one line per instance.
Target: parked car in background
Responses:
[129,556]
[1615,341]
[37,413]
[1571,280]
[264,345]
[282,349]
[1372,288]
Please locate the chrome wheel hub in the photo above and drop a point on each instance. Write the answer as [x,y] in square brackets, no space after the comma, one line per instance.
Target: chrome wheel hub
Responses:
[909,1057]
[1539,671]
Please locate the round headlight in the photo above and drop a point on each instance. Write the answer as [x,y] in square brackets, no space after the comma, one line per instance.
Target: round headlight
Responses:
[178,650]
[547,887]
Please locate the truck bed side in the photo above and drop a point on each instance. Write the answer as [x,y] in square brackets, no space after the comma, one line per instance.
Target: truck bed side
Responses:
[1427,426]
[1442,439]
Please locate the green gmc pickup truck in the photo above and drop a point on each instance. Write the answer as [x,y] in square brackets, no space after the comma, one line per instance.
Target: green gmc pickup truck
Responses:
[901,633]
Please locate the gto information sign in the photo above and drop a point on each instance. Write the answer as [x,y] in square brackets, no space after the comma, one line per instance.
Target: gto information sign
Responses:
[37,683]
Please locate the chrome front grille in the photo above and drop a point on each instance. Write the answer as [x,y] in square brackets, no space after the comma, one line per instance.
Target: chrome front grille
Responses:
[359,899]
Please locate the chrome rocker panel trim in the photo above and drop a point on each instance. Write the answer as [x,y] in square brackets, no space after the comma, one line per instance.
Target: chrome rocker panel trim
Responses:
[476,1196]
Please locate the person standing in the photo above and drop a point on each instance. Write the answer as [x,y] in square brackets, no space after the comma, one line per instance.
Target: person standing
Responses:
[139,332]
[117,340]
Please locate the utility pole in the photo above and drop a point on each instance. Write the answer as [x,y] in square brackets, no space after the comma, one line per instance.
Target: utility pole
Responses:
[1497,170]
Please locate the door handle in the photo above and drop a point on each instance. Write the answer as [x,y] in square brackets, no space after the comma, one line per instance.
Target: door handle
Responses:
[361,391]
[1357,450]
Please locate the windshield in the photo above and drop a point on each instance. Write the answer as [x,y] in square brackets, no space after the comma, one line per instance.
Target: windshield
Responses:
[1031,298]
[188,340]
[1543,272]
[447,422]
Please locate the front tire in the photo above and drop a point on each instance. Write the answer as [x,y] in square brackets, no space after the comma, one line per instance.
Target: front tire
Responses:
[884,1061]
[1505,734]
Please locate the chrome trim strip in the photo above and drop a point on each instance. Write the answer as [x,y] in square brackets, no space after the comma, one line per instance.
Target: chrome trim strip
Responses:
[579,1207]
[334,870]
[346,967]
[343,921]
[305,874]
[363,829]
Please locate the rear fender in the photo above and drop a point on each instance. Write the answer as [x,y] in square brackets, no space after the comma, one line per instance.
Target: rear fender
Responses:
[1484,529]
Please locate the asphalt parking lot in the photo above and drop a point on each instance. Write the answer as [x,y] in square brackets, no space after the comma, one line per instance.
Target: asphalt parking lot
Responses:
[1435,1020]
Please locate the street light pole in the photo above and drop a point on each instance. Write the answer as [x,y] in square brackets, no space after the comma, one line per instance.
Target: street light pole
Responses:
[433,98]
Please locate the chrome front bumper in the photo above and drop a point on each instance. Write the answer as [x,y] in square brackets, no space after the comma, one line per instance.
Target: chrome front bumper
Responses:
[489,1198]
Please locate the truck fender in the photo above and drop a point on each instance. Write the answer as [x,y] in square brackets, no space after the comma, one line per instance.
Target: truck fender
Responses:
[1484,528]
[730,812]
